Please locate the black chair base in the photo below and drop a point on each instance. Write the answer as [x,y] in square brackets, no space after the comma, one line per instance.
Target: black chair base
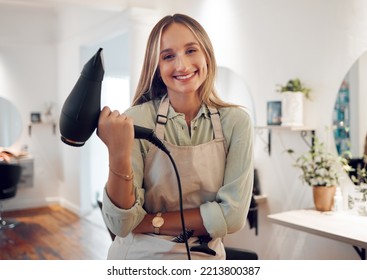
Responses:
[240,254]
[8,223]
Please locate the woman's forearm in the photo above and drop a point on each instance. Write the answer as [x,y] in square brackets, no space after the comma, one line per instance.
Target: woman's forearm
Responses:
[120,188]
[172,223]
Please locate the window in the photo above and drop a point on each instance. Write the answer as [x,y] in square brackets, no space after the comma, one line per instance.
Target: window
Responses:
[116,93]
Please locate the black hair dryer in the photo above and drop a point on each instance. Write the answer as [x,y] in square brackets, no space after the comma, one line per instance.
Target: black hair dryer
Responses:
[80,113]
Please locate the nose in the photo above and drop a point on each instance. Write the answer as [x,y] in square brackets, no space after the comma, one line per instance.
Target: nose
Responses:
[182,63]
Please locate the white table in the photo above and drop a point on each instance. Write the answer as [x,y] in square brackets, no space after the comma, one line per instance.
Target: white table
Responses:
[344,227]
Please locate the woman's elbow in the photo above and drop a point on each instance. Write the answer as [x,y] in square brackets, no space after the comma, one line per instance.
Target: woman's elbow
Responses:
[235,225]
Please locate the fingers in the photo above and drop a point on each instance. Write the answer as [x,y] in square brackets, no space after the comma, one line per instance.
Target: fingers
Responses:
[106,112]
[118,115]
[111,121]
[115,130]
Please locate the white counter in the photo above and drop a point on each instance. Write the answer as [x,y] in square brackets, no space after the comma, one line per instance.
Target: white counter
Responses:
[343,226]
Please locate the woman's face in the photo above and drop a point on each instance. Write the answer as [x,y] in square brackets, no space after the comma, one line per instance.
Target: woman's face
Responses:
[182,62]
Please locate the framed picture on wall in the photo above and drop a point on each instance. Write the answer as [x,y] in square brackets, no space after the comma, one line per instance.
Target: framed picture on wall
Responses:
[274,112]
[35,117]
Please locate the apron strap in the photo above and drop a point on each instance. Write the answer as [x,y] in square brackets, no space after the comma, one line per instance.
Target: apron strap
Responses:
[162,119]
[217,126]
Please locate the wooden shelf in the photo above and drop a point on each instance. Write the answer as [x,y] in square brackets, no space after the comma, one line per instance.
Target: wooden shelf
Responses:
[302,129]
[262,198]
[53,124]
[280,127]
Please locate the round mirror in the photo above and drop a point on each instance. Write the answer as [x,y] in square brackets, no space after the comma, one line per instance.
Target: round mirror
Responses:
[10,123]
[348,120]
[232,89]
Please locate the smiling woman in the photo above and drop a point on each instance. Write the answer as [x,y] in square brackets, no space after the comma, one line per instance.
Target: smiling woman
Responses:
[183,68]
[210,140]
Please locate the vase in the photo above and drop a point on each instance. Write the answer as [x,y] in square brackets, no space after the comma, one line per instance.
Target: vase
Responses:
[323,197]
[292,108]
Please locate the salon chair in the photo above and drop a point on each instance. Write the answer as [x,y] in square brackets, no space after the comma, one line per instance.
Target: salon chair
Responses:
[240,254]
[9,179]
[231,253]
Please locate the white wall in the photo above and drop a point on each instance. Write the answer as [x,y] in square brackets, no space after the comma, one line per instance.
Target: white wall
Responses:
[30,83]
[265,43]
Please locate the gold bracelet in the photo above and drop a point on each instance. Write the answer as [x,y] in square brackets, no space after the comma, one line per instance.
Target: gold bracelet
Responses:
[123,176]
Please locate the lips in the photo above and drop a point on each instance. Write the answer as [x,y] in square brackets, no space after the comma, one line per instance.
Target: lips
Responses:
[184,77]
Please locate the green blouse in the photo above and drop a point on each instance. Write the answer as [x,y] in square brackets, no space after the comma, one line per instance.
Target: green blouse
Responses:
[227,214]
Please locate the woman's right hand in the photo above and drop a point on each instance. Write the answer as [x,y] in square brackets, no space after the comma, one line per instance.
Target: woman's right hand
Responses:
[117,132]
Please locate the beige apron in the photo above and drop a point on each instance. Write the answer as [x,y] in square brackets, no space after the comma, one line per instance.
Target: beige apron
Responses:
[201,170]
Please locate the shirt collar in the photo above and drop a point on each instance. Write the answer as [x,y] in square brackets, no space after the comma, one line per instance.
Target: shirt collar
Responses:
[203,112]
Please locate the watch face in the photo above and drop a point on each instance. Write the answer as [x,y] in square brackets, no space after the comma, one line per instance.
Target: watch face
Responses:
[158,222]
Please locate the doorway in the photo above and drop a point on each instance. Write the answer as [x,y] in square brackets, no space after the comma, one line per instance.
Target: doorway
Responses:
[115,93]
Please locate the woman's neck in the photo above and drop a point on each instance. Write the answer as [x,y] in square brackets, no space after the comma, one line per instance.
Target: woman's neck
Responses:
[189,105]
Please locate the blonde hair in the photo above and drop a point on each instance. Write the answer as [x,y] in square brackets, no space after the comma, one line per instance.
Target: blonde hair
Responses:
[150,84]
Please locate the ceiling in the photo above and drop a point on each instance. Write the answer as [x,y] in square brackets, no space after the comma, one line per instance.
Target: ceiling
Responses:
[33,21]
[57,5]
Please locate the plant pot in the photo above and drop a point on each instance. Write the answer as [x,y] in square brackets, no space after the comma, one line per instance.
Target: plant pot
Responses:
[323,197]
[292,108]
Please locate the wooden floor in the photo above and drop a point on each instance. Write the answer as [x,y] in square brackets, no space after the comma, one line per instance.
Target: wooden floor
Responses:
[53,233]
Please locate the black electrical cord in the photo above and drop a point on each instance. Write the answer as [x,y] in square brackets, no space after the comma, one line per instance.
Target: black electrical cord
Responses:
[155,140]
[181,207]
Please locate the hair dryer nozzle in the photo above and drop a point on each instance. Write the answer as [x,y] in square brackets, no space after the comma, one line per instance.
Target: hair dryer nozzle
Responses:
[80,112]
[71,142]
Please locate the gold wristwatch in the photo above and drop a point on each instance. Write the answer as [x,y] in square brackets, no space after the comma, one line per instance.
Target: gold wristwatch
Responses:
[157,222]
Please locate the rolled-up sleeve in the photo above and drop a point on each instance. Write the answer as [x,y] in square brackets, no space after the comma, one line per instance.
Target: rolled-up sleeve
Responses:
[121,221]
[228,213]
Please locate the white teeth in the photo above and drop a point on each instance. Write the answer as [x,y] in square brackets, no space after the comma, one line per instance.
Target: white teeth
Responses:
[185,77]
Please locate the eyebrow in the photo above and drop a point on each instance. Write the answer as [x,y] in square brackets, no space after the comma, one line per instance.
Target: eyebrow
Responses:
[186,45]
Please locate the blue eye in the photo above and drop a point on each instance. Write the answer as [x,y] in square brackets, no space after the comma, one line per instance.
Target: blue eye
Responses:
[168,56]
[191,51]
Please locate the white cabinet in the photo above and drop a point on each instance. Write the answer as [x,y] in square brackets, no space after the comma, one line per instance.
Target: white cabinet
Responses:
[27,176]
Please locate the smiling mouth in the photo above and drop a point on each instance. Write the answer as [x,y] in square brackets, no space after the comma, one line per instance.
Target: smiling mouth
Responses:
[185,77]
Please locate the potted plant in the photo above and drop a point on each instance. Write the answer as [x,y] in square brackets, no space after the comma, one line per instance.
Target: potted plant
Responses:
[320,170]
[295,85]
[293,93]
[357,170]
